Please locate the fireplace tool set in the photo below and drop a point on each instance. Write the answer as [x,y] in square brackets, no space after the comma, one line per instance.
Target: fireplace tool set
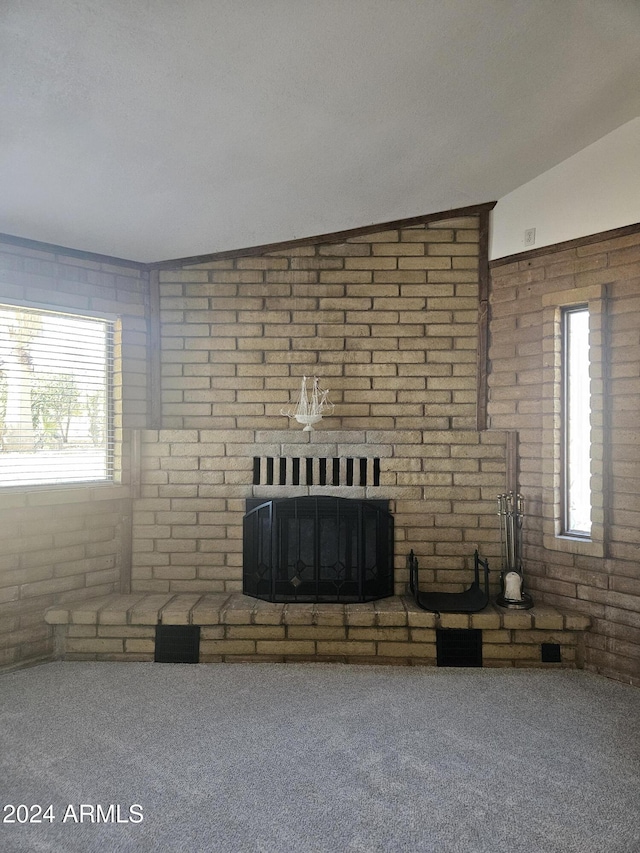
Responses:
[511,513]
[476,597]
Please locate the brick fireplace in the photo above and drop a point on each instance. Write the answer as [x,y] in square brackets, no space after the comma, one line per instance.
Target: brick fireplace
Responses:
[188,522]
[392,322]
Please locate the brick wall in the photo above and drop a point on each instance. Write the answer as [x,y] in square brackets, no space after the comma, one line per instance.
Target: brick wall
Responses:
[388,320]
[57,543]
[602,580]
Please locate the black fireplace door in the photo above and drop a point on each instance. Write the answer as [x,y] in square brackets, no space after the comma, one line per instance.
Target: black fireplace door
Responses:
[318,549]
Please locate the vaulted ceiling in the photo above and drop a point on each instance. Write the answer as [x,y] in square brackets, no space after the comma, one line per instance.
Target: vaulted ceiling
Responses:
[153,129]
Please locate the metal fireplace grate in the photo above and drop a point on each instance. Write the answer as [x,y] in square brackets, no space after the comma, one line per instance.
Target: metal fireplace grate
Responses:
[315,471]
[177,644]
[459,646]
[320,549]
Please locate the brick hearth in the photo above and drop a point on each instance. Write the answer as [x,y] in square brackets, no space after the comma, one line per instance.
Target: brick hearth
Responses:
[238,628]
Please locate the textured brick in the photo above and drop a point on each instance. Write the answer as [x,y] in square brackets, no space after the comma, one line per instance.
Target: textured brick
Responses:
[346,648]
[95,645]
[409,650]
[316,632]
[227,647]
[255,632]
[285,647]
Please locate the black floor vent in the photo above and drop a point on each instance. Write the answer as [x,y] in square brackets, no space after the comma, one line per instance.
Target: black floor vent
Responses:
[177,644]
[459,647]
[550,653]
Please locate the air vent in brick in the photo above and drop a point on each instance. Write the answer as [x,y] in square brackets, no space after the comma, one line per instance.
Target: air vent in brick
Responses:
[315,471]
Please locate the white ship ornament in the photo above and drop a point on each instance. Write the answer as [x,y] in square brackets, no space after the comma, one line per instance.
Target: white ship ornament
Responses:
[310,408]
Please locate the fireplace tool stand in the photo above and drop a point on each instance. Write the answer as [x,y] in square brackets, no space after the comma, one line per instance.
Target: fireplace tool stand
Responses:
[511,513]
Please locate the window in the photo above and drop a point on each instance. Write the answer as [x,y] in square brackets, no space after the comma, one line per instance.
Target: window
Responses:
[56,422]
[573,422]
[576,422]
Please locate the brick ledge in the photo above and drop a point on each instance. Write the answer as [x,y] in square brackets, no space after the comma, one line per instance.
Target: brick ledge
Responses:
[238,609]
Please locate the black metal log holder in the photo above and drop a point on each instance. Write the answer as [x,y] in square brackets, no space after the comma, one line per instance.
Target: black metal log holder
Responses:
[472,600]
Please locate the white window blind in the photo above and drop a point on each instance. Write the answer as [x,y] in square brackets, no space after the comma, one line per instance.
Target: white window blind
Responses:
[55,398]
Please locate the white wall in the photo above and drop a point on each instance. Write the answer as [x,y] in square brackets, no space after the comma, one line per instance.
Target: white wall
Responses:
[595,190]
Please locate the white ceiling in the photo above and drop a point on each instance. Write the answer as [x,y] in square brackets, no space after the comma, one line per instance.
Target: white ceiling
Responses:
[154,129]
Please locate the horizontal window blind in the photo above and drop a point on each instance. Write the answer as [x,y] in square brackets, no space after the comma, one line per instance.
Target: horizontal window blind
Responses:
[56,398]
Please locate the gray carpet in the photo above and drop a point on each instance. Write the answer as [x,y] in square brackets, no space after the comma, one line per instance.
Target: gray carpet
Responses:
[280,758]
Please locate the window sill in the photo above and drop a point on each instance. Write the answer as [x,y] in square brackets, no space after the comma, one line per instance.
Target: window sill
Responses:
[574,545]
[45,495]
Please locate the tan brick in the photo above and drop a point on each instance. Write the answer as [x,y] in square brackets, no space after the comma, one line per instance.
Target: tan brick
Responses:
[212,632]
[227,647]
[409,650]
[576,622]
[499,636]
[421,619]
[316,632]
[390,634]
[546,617]
[57,585]
[536,637]
[368,263]
[454,620]
[402,277]
[115,613]
[423,635]
[329,614]
[255,632]
[388,236]
[349,647]
[360,614]
[265,263]
[462,248]
[237,610]
[242,276]
[299,614]
[134,632]
[510,651]
[83,631]
[426,235]
[398,249]
[285,647]
[147,610]
[390,612]
[517,619]
[93,645]
[178,610]
[57,615]
[86,612]
[267,613]
[424,263]
[145,646]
